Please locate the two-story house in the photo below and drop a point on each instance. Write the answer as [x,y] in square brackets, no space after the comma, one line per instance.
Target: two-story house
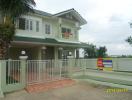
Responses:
[48,36]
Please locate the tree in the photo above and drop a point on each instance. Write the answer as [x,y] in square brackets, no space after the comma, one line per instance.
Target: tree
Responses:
[10,10]
[129,40]
[101,52]
[90,52]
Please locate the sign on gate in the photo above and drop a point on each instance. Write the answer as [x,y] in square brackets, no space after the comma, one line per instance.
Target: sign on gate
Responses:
[107,62]
[100,63]
[104,64]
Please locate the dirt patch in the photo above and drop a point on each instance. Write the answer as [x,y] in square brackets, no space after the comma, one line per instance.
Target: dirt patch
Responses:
[49,85]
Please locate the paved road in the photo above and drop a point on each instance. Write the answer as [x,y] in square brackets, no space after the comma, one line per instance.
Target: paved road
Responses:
[80,91]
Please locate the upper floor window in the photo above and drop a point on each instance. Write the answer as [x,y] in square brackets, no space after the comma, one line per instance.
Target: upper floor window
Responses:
[22,23]
[66,32]
[28,24]
[31,25]
[37,26]
[47,29]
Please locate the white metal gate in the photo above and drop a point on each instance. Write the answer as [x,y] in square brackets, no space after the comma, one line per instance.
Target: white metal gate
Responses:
[13,73]
[40,71]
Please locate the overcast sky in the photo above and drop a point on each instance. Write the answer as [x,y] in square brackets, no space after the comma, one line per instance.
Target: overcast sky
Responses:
[108,21]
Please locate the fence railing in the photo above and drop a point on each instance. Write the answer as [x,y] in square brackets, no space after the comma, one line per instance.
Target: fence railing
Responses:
[49,70]
[13,74]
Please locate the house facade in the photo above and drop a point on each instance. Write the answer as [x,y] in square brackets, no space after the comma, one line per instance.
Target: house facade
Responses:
[45,36]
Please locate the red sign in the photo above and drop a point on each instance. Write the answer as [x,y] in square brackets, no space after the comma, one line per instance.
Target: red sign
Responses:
[100,63]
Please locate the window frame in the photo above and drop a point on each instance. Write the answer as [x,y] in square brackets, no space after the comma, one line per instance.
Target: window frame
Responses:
[30,25]
[49,28]
[22,23]
[37,26]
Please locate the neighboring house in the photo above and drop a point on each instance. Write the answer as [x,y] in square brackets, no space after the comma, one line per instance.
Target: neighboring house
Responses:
[48,36]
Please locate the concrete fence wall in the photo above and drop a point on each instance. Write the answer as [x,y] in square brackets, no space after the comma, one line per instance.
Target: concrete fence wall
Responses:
[119,64]
[91,64]
[122,64]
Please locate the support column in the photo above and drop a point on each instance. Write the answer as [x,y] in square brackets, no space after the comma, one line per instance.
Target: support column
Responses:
[1,79]
[23,69]
[56,53]
[77,53]
[60,53]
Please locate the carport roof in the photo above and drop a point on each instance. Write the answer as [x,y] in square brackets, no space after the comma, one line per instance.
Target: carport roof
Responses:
[49,41]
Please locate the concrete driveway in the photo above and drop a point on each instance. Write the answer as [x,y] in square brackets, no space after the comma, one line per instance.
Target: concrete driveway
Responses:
[80,91]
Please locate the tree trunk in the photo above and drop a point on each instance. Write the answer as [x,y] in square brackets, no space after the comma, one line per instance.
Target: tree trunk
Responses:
[3,50]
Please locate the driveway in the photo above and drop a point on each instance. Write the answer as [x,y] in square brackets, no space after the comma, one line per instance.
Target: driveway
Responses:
[80,91]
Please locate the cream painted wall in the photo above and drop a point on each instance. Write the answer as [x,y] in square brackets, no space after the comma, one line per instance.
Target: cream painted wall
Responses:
[55,28]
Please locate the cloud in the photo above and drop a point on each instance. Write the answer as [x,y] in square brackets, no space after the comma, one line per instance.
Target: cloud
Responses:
[116,18]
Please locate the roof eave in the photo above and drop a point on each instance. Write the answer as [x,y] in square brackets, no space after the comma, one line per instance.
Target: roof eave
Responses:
[79,17]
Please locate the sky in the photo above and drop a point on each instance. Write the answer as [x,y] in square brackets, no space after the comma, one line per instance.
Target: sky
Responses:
[108,21]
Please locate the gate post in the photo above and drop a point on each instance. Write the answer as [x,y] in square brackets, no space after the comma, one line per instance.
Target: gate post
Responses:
[70,66]
[23,69]
[1,91]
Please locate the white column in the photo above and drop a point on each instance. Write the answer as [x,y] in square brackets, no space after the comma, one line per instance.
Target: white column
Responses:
[56,53]
[1,78]
[23,69]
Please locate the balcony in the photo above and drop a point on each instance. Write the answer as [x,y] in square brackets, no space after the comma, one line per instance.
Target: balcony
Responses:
[67,37]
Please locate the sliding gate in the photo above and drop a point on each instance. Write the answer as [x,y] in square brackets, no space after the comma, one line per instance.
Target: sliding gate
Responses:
[40,71]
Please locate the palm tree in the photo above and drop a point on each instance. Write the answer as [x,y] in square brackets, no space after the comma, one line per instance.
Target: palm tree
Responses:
[10,10]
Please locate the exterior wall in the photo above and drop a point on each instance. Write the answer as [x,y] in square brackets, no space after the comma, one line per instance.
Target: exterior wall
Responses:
[56,26]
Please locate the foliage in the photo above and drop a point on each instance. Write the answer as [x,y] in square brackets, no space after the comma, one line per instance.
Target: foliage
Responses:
[101,52]
[7,31]
[93,52]
[10,10]
[15,8]
[90,52]
[129,40]
[6,34]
